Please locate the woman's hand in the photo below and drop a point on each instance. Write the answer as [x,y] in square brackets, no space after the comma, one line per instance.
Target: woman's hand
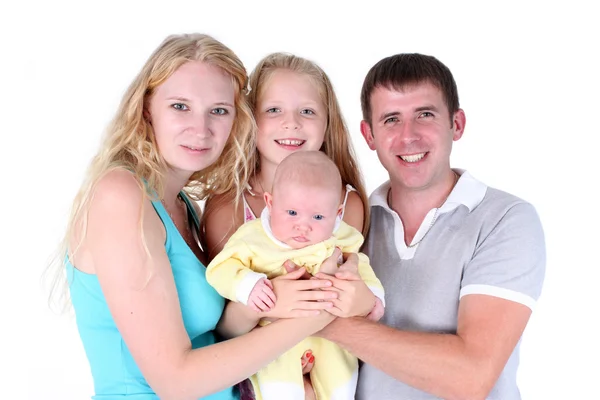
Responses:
[297,297]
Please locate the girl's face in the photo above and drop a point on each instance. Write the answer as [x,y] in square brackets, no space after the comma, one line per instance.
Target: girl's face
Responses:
[290,115]
[192,113]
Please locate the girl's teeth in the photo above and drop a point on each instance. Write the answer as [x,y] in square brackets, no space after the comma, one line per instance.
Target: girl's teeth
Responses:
[287,142]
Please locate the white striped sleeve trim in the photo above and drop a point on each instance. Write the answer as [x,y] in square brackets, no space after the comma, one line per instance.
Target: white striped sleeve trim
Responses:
[499,292]
[378,292]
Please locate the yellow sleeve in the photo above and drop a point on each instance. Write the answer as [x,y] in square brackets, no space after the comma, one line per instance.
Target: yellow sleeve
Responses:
[230,271]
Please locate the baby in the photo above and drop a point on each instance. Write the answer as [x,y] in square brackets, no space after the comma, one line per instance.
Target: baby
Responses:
[302,223]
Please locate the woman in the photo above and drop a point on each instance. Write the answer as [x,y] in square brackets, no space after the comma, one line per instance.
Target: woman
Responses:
[136,274]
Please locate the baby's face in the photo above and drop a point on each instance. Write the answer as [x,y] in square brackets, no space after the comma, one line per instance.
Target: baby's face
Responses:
[303,215]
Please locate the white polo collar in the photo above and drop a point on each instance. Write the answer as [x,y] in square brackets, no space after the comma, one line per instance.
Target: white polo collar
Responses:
[468,191]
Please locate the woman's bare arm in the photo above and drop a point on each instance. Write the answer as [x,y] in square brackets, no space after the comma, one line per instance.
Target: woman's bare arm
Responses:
[140,291]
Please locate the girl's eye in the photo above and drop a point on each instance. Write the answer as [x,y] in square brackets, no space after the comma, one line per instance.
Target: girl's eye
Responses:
[307,112]
[292,213]
[220,111]
[318,217]
[180,107]
[273,110]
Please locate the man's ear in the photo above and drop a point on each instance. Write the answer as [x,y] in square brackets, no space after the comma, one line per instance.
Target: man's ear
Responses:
[458,124]
[367,132]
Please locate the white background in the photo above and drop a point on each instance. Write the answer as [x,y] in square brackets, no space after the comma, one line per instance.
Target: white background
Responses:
[527,74]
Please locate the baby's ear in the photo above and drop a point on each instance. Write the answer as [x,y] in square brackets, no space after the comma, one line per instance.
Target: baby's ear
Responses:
[340,209]
[268,200]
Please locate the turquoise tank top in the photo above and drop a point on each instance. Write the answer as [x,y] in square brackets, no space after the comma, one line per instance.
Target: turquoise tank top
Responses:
[115,373]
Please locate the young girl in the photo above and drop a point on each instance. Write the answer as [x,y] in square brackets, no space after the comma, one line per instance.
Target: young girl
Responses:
[144,310]
[296,109]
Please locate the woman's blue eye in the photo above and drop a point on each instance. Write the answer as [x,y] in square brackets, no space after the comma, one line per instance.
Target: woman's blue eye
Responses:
[180,107]
[292,213]
[273,110]
[308,112]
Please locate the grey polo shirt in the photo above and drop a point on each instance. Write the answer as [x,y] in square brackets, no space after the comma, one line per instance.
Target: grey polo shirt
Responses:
[484,241]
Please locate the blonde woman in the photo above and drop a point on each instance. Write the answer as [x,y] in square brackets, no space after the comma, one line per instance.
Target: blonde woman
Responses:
[135,270]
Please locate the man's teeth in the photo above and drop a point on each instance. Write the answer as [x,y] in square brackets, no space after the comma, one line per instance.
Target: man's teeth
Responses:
[290,142]
[413,157]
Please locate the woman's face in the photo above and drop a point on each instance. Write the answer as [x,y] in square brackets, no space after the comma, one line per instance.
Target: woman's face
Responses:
[192,113]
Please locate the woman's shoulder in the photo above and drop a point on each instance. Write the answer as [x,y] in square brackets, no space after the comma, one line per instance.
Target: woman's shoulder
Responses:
[118,185]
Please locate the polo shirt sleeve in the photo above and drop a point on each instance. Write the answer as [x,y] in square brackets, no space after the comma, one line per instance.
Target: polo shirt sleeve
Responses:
[510,261]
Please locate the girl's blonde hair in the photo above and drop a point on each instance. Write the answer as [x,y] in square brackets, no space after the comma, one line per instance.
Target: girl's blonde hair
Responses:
[130,143]
[337,143]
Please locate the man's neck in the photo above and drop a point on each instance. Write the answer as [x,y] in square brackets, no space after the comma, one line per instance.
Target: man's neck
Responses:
[413,205]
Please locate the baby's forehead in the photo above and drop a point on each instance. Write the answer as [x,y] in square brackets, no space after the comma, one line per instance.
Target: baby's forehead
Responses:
[307,196]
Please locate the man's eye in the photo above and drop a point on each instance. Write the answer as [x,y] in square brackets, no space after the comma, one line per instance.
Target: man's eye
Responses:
[292,213]
[426,114]
[390,120]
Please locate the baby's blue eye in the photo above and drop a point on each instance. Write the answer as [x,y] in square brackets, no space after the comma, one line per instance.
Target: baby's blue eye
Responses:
[293,213]
[318,217]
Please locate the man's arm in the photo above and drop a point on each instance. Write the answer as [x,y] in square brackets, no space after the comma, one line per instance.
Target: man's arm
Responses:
[499,286]
[461,366]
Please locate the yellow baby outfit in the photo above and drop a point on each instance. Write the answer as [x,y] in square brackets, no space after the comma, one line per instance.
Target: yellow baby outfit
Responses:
[253,253]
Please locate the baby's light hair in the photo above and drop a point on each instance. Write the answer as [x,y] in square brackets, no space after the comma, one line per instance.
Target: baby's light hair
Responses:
[308,168]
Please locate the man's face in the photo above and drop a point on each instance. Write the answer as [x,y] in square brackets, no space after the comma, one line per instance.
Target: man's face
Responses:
[412,132]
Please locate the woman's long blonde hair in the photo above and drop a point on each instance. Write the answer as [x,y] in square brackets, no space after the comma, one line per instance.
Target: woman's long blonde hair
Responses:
[130,143]
[337,143]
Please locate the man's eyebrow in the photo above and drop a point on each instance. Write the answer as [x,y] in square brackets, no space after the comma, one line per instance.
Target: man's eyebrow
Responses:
[389,114]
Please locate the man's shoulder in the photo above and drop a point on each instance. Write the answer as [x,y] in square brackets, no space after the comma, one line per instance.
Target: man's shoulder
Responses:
[500,201]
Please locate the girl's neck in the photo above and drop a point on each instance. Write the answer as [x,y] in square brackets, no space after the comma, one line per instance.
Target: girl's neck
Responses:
[263,180]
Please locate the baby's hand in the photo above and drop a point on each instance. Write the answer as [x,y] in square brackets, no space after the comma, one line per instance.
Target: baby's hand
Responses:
[377,311]
[262,297]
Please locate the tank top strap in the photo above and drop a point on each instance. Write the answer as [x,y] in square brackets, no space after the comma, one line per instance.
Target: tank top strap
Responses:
[349,188]
[192,214]
[248,214]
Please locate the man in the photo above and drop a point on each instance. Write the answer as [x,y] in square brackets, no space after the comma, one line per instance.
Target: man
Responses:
[462,263]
